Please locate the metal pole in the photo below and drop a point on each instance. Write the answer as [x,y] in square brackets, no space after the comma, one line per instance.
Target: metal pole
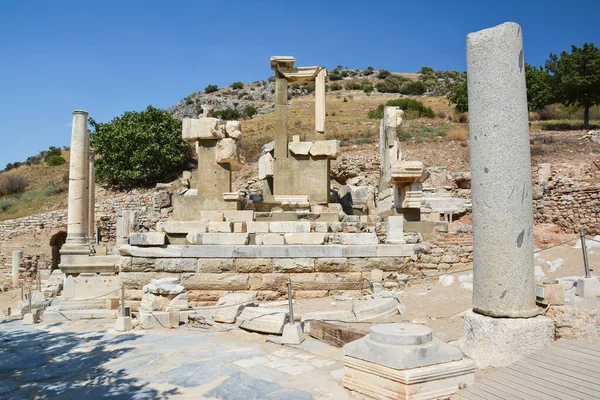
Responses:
[29,299]
[122,300]
[21,287]
[586,264]
[289,285]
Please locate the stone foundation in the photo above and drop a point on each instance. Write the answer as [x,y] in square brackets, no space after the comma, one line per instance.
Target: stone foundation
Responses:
[208,272]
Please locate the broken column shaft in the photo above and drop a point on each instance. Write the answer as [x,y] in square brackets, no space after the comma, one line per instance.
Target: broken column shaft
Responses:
[281,100]
[503,269]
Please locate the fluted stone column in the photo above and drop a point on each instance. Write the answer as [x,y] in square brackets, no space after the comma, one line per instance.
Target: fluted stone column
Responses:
[92,197]
[77,217]
[504,324]
[503,278]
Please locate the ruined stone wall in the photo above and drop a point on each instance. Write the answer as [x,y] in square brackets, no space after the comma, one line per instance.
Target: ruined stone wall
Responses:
[207,279]
[570,206]
[449,253]
[152,207]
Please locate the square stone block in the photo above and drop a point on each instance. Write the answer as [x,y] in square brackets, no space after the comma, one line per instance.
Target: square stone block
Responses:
[304,238]
[225,238]
[431,382]
[147,239]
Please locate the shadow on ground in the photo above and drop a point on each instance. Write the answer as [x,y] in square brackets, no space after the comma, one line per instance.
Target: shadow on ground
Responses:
[66,365]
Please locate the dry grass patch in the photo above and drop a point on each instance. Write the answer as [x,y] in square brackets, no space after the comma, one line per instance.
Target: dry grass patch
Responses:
[458,134]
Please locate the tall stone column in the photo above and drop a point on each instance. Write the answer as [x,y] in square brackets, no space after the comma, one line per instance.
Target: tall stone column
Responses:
[77,221]
[92,197]
[281,116]
[17,257]
[503,279]
[501,329]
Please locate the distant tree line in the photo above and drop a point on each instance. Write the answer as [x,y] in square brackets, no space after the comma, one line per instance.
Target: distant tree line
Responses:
[572,79]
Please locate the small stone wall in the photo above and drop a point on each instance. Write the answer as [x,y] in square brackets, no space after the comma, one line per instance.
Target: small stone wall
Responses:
[447,253]
[569,206]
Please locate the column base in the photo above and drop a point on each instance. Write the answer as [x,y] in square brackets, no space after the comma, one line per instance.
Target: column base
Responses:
[497,342]
[123,324]
[292,334]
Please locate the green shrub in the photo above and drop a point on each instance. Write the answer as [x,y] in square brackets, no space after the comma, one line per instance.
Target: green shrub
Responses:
[383,73]
[52,189]
[237,85]
[334,75]
[228,114]
[459,95]
[5,204]
[391,84]
[412,88]
[11,184]
[427,71]
[335,87]
[55,160]
[366,86]
[411,107]
[368,71]
[250,110]
[353,86]
[211,89]
[139,148]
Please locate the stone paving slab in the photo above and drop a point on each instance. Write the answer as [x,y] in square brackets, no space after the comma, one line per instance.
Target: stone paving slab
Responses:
[81,360]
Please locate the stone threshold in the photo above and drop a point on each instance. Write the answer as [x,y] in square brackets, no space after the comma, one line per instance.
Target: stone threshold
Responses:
[269,251]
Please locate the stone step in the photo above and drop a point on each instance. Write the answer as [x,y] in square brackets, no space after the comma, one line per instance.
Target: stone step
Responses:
[96,304]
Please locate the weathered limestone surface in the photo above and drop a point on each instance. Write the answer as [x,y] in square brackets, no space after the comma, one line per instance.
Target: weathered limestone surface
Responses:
[147,239]
[503,278]
[263,319]
[232,305]
[328,148]
[300,148]
[17,257]
[496,342]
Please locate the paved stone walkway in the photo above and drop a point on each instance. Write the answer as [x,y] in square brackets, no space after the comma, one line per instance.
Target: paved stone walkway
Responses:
[90,360]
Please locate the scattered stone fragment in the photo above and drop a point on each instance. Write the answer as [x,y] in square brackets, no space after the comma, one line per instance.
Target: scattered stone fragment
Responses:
[374,308]
[231,305]
[265,320]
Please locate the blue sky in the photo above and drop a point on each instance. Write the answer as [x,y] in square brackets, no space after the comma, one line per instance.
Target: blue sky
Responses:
[108,57]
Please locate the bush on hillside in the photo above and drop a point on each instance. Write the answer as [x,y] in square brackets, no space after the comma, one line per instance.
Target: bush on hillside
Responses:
[139,148]
[228,114]
[366,86]
[11,184]
[237,85]
[353,86]
[392,84]
[211,89]
[368,71]
[250,110]
[335,87]
[412,108]
[412,88]
[383,73]
[52,151]
[55,160]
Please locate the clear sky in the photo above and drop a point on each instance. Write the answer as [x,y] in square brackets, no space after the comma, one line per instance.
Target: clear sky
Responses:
[109,56]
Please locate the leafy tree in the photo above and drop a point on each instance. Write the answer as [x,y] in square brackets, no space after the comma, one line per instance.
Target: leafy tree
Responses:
[391,84]
[539,88]
[237,85]
[52,151]
[368,71]
[139,148]
[412,88]
[459,96]
[211,89]
[366,86]
[576,77]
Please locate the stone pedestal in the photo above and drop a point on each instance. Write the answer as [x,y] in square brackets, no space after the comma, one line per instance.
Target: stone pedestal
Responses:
[89,285]
[404,361]
[123,324]
[497,342]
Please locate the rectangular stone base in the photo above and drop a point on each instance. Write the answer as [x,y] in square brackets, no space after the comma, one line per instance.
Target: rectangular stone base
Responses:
[432,382]
[92,287]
